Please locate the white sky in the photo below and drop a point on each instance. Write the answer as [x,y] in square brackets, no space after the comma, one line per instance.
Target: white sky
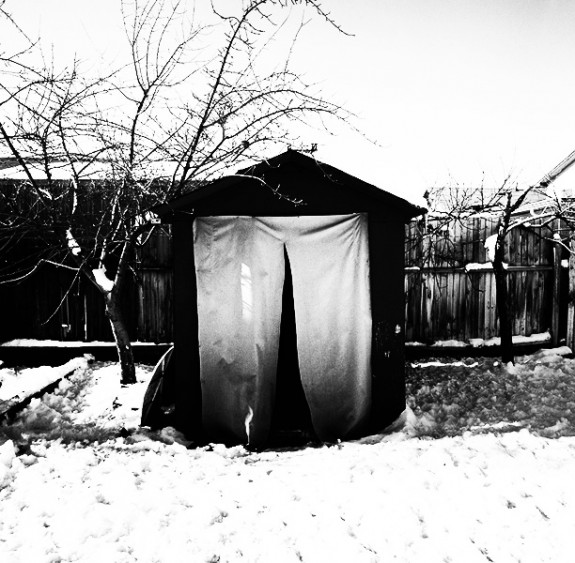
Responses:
[447,88]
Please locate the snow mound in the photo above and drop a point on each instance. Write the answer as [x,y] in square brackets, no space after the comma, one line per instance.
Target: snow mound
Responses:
[450,397]
[18,384]
[91,405]
[7,457]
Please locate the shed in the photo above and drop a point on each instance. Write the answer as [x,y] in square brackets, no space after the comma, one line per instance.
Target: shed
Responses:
[289,304]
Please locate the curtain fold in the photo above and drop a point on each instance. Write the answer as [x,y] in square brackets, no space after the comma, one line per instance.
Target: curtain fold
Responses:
[240,274]
[330,269]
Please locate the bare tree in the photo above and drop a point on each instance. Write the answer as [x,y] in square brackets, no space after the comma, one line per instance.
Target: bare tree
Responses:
[177,102]
[508,203]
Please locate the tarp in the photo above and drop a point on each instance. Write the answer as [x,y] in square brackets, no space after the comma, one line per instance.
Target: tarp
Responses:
[240,272]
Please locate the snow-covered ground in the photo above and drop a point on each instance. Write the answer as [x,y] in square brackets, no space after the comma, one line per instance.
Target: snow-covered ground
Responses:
[17,384]
[79,481]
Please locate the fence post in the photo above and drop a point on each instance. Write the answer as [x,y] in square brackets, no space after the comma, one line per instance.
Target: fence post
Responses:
[571,303]
[555,312]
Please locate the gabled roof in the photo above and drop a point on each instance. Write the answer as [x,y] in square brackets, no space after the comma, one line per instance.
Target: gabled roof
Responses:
[290,183]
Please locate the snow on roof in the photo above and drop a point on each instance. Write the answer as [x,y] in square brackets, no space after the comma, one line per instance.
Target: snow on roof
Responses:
[97,170]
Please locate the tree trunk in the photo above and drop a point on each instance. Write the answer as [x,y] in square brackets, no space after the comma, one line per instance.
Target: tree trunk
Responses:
[570,341]
[502,300]
[121,337]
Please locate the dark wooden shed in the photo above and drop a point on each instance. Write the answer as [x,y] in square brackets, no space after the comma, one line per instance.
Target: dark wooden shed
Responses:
[305,218]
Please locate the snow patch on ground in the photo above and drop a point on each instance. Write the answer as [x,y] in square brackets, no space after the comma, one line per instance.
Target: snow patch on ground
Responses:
[16,383]
[537,393]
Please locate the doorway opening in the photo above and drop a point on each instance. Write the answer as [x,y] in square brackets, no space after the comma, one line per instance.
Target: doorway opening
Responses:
[291,421]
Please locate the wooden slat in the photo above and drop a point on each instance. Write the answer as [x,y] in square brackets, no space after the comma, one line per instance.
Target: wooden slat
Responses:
[490,296]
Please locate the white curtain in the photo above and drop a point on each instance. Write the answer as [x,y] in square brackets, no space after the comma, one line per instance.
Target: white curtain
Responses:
[240,274]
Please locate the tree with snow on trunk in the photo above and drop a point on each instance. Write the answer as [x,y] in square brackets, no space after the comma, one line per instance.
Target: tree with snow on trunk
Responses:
[202,90]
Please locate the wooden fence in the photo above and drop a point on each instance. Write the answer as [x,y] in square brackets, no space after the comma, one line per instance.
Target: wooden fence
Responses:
[449,290]
[450,285]
[52,304]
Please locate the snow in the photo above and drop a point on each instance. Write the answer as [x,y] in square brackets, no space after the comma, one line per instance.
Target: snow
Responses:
[490,245]
[73,245]
[536,393]
[479,469]
[537,338]
[7,457]
[22,383]
[532,339]
[473,267]
[437,363]
[102,280]
[32,343]
[94,170]
[450,344]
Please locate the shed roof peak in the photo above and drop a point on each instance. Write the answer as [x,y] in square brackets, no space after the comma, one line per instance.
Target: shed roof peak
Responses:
[302,184]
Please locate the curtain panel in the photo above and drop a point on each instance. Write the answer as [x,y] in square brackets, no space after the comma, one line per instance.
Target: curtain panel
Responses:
[240,271]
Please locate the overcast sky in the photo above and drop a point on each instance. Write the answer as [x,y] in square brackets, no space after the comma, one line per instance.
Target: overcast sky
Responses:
[448,89]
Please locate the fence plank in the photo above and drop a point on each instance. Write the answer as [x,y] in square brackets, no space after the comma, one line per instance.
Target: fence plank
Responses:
[570,340]
[556,294]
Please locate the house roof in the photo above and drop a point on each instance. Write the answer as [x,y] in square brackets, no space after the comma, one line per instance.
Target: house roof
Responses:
[7,162]
[87,169]
[290,183]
